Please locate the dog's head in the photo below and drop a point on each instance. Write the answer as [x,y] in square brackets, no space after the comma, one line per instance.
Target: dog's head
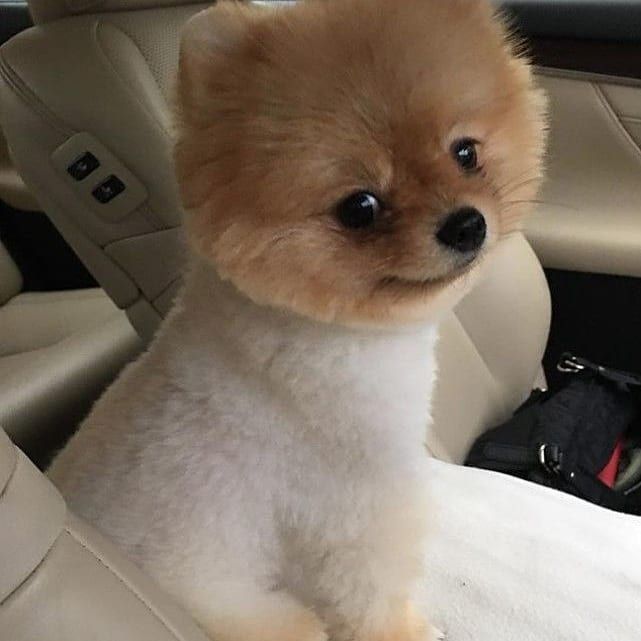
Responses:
[354,160]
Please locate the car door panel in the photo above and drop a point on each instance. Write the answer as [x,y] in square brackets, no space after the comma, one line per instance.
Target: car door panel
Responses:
[586,229]
[589,219]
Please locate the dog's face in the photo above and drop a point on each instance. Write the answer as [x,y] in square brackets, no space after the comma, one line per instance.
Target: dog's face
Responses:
[354,160]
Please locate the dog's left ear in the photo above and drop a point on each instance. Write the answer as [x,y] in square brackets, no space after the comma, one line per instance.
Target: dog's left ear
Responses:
[212,40]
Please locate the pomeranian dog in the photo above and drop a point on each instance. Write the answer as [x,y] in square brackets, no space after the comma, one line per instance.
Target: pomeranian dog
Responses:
[345,167]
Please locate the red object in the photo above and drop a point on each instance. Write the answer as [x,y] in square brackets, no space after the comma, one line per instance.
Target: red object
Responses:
[608,474]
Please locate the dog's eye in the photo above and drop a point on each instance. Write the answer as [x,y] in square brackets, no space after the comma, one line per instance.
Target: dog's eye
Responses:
[359,210]
[465,154]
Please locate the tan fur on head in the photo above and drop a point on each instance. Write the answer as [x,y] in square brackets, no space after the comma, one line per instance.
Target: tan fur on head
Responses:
[285,112]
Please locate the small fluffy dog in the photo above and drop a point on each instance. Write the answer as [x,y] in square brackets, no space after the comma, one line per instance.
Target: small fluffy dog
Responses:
[345,166]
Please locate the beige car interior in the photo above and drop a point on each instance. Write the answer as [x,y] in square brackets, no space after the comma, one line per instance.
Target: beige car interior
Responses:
[589,218]
[62,580]
[58,349]
[97,77]
[12,188]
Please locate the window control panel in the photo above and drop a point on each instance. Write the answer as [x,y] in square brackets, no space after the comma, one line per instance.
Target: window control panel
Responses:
[108,189]
[81,167]
[103,185]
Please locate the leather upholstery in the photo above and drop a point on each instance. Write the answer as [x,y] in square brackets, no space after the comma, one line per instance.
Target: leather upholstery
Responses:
[490,350]
[13,191]
[48,10]
[590,214]
[61,580]
[102,71]
[33,514]
[10,277]
[58,350]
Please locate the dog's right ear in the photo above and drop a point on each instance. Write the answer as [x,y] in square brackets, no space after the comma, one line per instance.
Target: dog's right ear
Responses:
[210,41]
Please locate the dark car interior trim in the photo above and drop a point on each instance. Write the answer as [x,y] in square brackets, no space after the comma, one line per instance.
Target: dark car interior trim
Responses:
[14,18]
[621,59]
[595,315]
[577,19]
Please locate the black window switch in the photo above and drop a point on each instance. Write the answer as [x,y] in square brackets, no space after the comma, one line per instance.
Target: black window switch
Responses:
[83,166]
[109,189]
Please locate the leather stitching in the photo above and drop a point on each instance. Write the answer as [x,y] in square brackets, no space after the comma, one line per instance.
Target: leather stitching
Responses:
[31,574]
[145,210]
[19,457]
[587,76]
[96,36]
[631,121]
[615,119]
[20,88]
[3,491]
[157,615]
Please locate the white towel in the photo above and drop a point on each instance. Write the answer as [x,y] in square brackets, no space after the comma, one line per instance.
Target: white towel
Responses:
[514,561]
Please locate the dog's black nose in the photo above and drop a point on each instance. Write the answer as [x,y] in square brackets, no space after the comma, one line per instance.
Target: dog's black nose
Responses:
[464,230]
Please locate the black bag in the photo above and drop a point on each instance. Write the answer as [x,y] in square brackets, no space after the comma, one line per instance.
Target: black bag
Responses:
[564,440]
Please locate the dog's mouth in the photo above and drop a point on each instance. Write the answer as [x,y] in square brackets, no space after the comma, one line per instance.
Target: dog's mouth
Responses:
[460,271]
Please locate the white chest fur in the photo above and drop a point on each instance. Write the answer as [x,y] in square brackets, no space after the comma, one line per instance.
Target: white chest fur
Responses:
[361,394]
[246,430]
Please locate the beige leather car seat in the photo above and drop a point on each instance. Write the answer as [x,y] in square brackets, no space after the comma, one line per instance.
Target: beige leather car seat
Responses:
[58,351]
[97,77]
[12,188]
[59,579]
[490,350]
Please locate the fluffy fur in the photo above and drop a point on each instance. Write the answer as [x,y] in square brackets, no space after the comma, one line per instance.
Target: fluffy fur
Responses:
[264,459]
